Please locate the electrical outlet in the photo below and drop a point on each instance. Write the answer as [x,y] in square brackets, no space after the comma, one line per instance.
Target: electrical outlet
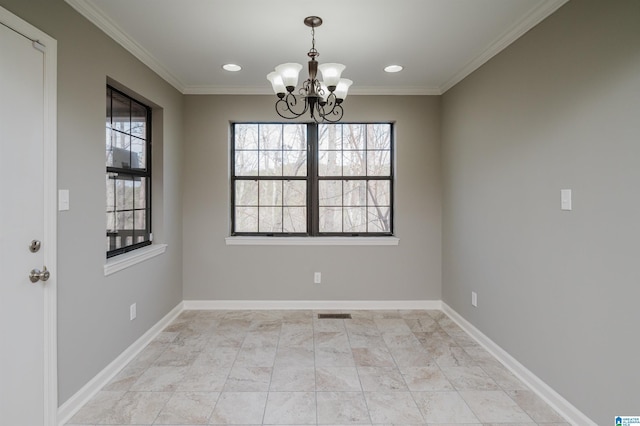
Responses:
[317,277]
[474,299]
[132,312]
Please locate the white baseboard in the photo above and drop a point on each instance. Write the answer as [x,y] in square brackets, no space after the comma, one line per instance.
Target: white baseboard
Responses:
[312,304]
[88,391]
[544,391]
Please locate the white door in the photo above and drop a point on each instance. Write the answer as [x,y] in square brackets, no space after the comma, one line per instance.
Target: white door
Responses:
[23,341]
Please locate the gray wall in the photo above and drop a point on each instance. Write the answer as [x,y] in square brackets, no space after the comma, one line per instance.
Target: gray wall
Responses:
[93,310]
[558,290]
[214,271]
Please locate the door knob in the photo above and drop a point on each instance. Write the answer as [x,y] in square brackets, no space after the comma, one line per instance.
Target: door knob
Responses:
[36,275]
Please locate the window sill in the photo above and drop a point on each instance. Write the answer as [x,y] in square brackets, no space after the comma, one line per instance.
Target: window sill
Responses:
[312,241]
[123,261]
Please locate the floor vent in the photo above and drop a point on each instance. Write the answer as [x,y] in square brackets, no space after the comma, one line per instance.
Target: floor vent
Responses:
[334,316]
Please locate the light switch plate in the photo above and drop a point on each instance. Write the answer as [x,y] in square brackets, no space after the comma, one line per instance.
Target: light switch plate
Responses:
[565,199]
[63,199]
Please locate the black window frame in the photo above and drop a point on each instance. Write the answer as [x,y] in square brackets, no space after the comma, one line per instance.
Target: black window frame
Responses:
[312,178]
[132,174]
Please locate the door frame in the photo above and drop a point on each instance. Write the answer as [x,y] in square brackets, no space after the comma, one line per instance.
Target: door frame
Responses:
[49,46]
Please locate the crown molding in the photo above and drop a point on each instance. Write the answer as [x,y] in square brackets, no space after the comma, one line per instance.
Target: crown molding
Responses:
[109,27]
[227,90]
[360,90]
[532,19]
[96,17]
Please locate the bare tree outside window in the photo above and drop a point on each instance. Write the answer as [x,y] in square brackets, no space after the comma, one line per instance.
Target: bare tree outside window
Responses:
[308,179]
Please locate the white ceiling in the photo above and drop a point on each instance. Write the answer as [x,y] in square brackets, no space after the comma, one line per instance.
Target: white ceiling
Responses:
[439,42]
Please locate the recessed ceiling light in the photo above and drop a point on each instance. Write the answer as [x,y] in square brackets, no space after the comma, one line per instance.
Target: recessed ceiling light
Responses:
[393,68]
[231,67]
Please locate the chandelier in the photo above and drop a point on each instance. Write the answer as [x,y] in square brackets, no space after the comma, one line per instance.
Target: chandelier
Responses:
[322,99]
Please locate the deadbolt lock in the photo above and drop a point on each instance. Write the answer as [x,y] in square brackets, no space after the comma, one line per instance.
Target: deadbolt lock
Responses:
[34,247]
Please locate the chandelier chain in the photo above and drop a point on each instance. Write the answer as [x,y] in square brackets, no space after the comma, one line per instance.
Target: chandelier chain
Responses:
[313,53]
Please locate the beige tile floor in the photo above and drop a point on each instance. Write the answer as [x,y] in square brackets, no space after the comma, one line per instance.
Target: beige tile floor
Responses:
[291,368]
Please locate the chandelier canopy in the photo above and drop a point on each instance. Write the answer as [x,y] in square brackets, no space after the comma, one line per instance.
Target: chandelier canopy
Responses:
[323,99]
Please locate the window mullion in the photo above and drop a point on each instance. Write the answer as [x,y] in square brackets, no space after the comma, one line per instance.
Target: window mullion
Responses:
[312,179]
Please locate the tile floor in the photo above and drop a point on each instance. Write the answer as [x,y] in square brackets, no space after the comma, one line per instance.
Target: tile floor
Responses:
[291,368]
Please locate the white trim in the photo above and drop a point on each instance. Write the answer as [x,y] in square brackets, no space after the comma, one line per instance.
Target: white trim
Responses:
[110,28]
[126,260]
[51,226]
[312,304]
[88,391]
[532,19]
[359,90]
[312,241]
[543,390]
[50,58]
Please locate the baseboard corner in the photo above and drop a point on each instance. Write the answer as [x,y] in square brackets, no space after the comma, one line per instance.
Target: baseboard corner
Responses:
[71,406]
[537,385]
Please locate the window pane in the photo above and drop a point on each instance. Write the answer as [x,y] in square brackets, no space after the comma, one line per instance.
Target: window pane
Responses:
[246,219]
[109,148]
[295,193]
[330,163]
[270,219]
[379,192]
[330,192]
[246,136]
[271,136]
[111,222]
[108,108]
[270,193]
[111,192]
[354,136]
[140,193]
[138,120]
[330,219]
[124,220]
[295,219]
[379,219]
[295,137]
[120,140]
[124,193]
[378,163]
[355,193]
[295,163]
[270,163]
[379,136]
[139,222]
[354,163]
[355,219]
[246,193]
[330,137]
[138,153]
[119,155]
[246,163]
[120,112]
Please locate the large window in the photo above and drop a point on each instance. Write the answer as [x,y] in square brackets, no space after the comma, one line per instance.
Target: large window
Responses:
[312,179]
[128,177]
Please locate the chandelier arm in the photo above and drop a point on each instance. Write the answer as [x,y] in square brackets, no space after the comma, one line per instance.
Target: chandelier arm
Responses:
[332,116]
[285,107]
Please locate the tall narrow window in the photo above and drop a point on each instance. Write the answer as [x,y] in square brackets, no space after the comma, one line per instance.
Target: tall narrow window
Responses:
[312,180]
[128,177]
